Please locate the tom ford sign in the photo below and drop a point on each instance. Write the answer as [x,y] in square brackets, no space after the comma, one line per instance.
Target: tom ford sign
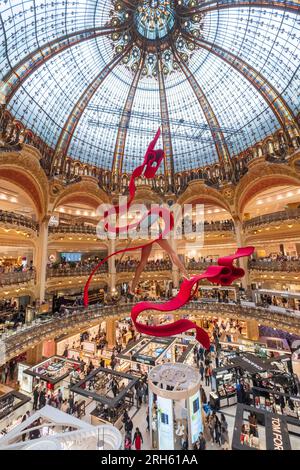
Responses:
[277,433]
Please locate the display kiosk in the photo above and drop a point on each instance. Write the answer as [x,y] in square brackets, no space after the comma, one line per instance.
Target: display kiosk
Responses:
[140,356]
[272,434]
[175,409]
[224,380]
[54,372]
[13,405]
[109,408]
[280,403]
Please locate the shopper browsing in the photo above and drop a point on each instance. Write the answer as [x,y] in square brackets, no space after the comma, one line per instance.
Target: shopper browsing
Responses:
[137,439]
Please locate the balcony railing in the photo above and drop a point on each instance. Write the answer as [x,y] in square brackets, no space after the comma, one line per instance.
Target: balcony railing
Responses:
[290,214]
[8,279]
[75,271]
[85,229]
[265,265]
[27,336]
[18,220]
[91,230]
[166,266]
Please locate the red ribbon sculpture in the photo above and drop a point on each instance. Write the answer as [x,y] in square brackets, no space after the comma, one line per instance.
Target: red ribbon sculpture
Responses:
[224,273]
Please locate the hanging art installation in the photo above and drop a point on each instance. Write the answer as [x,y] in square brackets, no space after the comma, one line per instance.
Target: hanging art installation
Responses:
[223,273]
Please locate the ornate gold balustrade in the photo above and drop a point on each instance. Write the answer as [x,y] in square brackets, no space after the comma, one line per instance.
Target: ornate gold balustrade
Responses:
[11,218]
[267,219]
[19,341]
[15,278]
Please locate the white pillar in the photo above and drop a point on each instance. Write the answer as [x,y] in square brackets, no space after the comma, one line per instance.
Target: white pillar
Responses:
[41,257]
[112,266]
[242,261]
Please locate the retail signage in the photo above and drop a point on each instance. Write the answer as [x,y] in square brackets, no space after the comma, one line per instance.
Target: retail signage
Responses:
[6,405]
[165,423]
[195,416]
[144,359]
[250,363]
[277,434]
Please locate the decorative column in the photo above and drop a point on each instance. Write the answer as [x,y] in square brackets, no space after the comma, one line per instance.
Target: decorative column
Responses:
[175,270]
[240,242]
[34,355]
[111,332]
[40,261]
[252,330]
[112,266]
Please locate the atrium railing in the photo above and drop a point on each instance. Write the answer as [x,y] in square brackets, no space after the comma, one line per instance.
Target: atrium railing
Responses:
[266,219]
[261,265]
[91,230]
[7,279]
[199,265]
[86,229]
[166,266]
[17,219]
[74,271]
[273,265]
[18,341]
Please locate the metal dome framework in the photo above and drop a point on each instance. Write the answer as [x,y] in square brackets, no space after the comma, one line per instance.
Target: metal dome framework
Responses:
[225,75]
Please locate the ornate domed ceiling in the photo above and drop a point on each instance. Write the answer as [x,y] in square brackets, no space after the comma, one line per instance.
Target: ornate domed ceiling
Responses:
[96,78]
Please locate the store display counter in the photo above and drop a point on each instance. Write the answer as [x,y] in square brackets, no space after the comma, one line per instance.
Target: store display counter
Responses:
[98,417]
[110,404]
[53,371]
[248,436]
[224,380]
[145,353]
[12,408]
[280,403]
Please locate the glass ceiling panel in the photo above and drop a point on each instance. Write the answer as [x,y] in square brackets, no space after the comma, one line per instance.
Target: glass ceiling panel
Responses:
[30,24]
[267,40]
[238,106]
[44,109]
[193,145]
[144,122]
[95,136]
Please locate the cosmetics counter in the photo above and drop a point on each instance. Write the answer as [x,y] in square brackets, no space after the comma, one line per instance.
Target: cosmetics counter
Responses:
[271,434]
[139,357]
[13,406]
[55,372]
[112,392]
[234,382]
[279,403]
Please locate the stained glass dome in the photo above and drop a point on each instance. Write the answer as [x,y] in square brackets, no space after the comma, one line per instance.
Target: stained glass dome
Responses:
[96,78]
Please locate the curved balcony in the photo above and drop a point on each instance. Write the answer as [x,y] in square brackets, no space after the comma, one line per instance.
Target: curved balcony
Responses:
[84,229]
[273,265]
[199,265]
[10,218]
[217,226]
[150,267]
[9,279]
[75,271]
[266,219]
[17,342]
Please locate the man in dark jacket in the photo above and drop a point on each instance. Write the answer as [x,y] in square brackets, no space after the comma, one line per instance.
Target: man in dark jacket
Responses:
[202,442]
[35,398]
[129,427]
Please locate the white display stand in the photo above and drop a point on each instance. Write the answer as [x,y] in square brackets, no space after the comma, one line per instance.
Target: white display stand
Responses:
[176,415]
